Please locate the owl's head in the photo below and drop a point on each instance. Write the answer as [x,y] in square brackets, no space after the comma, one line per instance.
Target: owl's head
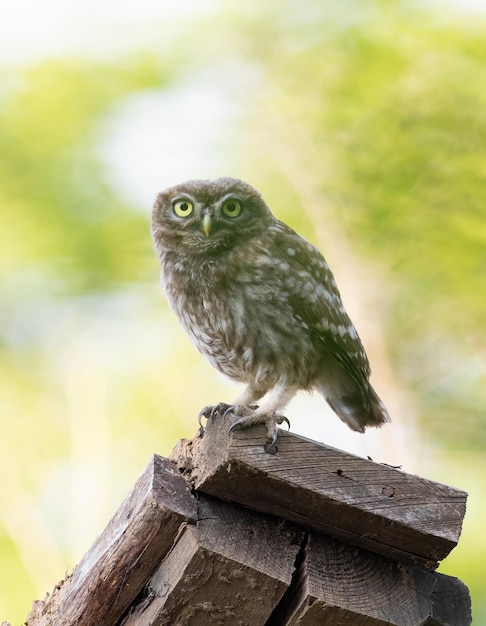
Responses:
[208,216]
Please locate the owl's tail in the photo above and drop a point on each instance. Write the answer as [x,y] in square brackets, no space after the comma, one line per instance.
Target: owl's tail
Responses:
[358,406]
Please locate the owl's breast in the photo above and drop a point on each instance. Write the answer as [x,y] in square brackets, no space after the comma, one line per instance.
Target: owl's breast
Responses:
[214,318]
[195,293]
[238,316]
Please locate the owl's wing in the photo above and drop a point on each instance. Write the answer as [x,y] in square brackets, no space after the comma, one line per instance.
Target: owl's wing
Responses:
[316,301]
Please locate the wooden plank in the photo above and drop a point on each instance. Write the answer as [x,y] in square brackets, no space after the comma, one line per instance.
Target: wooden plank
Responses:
[365,503]
[125,555]
[340,584]
[231,569]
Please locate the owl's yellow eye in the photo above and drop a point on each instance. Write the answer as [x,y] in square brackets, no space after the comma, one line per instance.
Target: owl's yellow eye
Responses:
[183,208]
[232,207]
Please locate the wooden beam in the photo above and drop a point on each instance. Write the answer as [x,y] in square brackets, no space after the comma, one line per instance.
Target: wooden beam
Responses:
[232,568]
[125,555]
[339,584]
[365,503]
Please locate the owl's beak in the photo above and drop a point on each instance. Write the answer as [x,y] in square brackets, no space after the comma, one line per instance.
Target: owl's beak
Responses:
[206,224]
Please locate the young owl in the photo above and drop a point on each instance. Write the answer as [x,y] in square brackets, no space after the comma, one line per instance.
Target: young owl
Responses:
[261,303]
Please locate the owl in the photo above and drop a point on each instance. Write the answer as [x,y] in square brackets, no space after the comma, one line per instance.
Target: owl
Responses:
[261,304]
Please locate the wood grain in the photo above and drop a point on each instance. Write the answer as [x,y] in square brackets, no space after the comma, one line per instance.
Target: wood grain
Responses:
[340,584]
[230,569]
[365,503]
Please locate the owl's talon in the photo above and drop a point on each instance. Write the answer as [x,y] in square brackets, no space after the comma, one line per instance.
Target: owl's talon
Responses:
[281,419]
[272,432]
[232,410]
[202,413]
[229,410]
[236,424]
[272,435]
[269,420]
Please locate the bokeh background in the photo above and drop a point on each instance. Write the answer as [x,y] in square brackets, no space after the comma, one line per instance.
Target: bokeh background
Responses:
[364,125]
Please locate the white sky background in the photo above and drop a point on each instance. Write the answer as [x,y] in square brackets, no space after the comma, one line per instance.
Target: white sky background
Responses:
[32,29]
[158,139]
[35,29]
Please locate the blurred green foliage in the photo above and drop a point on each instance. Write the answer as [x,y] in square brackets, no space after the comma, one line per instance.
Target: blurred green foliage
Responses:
[59,212]
[368,120]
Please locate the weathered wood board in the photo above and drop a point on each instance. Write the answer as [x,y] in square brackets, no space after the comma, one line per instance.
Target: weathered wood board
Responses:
[365,503]
[232,568]
[125,555]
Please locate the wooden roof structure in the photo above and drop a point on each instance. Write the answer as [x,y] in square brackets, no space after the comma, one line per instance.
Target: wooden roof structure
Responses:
[229,531]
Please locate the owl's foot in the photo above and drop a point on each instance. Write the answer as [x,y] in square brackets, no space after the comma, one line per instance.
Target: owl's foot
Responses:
[222,409]
[248,417]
